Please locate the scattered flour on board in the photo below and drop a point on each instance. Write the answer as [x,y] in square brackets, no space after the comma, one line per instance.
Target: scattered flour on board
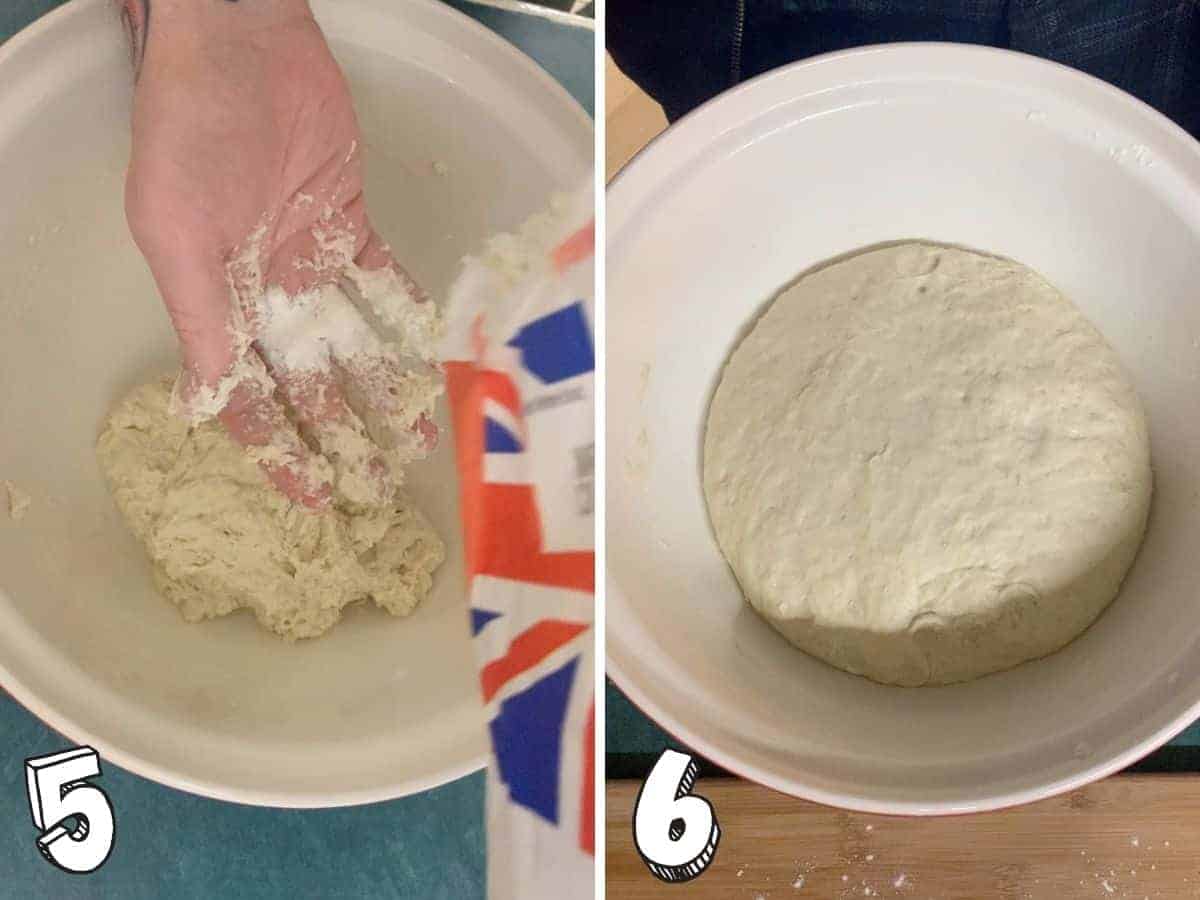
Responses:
[18,501]
[900,881]
[803,870]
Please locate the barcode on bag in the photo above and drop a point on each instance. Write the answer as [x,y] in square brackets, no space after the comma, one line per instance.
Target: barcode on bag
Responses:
[585,478]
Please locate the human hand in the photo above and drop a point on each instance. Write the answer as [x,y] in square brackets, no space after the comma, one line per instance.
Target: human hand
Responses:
[246,159]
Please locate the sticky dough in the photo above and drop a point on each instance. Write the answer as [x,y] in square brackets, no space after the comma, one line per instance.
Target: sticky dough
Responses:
[923,465]
[221,538]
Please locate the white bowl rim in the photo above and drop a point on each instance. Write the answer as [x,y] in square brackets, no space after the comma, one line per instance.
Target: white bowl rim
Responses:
[709,121]
[136,763]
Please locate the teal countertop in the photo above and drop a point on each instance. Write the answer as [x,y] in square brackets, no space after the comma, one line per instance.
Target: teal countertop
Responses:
[172,844]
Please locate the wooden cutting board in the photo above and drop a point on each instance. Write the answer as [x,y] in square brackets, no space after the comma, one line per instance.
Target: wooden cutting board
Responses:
[1126,838]
[631,118]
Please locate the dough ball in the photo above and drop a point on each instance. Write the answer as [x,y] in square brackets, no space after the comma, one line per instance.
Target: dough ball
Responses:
[221,538]
[924,464]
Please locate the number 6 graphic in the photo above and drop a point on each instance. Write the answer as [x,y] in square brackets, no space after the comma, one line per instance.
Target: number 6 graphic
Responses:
[58,790]
[675,833]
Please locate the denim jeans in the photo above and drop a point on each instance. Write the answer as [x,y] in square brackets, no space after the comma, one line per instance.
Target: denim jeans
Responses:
[684,53]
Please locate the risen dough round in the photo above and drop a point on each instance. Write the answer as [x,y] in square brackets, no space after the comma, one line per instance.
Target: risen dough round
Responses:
[222,538]
[924,465]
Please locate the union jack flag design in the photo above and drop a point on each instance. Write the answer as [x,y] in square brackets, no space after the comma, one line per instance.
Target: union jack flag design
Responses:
[532,596]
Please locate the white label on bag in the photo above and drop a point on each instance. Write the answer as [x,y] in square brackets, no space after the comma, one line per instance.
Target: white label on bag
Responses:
[556,380]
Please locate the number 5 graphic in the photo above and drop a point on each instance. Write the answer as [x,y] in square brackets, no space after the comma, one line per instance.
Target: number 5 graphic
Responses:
[676,834]
[59,790]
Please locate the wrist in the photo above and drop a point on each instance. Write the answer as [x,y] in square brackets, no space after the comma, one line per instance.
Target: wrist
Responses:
[203,11]
[182,21]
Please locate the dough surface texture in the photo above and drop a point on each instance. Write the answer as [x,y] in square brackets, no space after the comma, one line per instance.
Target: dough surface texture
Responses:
[923,465]
[221,538]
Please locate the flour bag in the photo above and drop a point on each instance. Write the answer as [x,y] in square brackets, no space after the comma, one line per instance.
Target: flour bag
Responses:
[519,360]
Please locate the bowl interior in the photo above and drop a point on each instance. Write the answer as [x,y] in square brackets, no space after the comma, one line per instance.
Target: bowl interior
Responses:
[380,706]
[977,147]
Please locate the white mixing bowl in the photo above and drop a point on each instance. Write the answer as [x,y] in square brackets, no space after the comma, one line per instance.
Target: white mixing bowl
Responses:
[964,145]
[380,707]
